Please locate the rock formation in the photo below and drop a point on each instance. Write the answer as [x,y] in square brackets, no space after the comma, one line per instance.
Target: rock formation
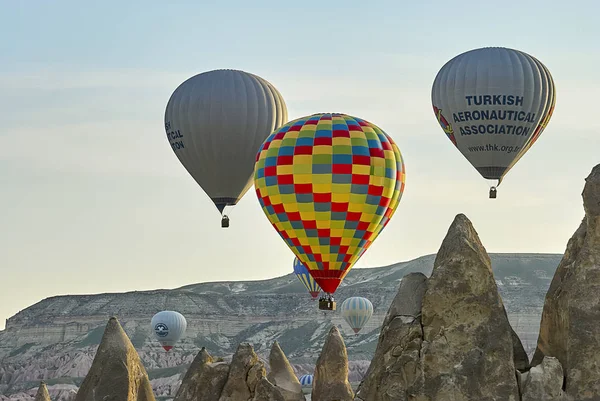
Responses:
[467,343]
[330,382]
[282,375]
[42,393]
[60,335]
[266,391]
[245,371]
[447,337]
[570,326]
[519,355]
[396,369]
[117,373]
[544,382]
[204,380]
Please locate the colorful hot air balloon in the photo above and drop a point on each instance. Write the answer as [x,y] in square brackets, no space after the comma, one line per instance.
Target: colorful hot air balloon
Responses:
[306,380]
[493,104]
[357,311]
[305,278]
[329,183]
[215,123]
[168,327]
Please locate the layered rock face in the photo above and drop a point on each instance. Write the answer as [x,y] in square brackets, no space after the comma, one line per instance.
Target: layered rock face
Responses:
[117,373]
[447,337]
[570,326]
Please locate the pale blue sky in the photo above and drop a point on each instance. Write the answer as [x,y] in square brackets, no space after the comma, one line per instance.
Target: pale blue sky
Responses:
[94,200]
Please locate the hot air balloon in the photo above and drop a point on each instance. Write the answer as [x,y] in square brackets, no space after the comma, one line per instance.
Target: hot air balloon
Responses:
[357,311]
[329,183]
[215,123]
[168,327]
[305,278]
[493,104]
[306,380]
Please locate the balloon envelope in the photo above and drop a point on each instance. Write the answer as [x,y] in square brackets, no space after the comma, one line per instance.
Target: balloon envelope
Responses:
[357,311]
[329,183]
[215,123]
[306,380]
[168,328]
[493,103]
[306,279]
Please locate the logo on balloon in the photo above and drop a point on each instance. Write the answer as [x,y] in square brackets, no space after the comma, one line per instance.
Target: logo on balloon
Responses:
[446,126]
[161,330]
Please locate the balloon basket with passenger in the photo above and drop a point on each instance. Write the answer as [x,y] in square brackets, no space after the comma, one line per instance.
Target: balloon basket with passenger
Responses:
[494,187]
[224,221]
[225,209]
[327,302]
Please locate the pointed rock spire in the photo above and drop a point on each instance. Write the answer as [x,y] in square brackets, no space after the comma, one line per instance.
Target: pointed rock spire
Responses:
[204,380]
[467,342]
[396,366]
[282,375]
[117,372]
[42,393]
[331,372]
[245,371]
[570,325]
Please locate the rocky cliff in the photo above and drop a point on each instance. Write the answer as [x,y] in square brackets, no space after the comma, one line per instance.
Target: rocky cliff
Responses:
[55,340]
[570,324]
[446,337]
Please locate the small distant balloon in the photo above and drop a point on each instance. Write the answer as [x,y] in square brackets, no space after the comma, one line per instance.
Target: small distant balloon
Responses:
[306,380]
[306,279]
[357,312]
[168,328]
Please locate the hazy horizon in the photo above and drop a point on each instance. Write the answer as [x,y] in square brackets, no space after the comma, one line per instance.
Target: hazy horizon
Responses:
[94,200]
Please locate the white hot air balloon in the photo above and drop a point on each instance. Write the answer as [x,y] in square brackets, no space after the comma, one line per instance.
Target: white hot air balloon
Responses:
[168,328]
[493,103]
[357,311]
[215,123]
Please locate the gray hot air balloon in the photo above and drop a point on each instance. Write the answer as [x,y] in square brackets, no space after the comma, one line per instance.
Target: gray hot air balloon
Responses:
[215,123]
[168,327]
[493,103]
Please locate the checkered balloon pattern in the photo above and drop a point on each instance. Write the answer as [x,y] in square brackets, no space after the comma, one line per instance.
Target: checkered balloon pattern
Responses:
[329,183]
